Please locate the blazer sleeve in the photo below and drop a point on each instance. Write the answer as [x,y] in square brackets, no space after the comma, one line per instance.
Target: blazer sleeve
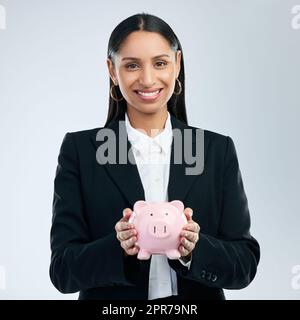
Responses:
[228,260]
[77,262]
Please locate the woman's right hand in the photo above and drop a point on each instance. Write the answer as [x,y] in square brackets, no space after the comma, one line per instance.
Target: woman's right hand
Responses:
[127,234]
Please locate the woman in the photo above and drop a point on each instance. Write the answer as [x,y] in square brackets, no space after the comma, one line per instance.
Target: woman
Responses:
[94,247]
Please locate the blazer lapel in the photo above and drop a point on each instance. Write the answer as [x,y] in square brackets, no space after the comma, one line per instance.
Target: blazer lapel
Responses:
[180,181]
[126,175]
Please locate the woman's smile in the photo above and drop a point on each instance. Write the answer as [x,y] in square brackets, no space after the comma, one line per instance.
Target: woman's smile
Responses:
[148,96]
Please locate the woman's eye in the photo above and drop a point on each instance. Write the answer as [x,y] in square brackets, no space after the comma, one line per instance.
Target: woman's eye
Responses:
[129,65]
[162,63]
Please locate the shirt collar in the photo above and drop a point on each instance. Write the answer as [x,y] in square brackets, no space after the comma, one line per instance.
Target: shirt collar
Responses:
[141,141]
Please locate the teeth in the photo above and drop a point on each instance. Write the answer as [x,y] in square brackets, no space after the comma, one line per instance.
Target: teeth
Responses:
[148,94]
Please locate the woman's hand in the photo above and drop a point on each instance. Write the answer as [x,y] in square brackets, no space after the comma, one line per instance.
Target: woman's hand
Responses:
[189,235]
[126,233]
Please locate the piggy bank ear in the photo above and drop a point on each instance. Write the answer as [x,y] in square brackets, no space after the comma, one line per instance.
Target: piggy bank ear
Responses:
[138,205]
[178,204]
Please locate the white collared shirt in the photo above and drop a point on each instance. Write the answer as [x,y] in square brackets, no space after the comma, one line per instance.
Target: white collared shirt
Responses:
[152,157]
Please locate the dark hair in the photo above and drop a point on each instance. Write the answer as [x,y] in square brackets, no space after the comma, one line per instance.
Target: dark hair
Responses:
[151,23]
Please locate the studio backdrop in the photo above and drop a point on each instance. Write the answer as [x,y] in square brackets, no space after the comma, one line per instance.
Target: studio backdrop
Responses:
[242,72]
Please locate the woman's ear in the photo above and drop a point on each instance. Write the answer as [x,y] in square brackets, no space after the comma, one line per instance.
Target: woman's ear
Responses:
[111,70]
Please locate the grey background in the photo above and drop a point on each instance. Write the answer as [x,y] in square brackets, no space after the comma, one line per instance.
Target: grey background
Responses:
[242,80]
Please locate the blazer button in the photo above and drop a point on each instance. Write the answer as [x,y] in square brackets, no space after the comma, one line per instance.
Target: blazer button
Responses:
[203,274]
[214,278]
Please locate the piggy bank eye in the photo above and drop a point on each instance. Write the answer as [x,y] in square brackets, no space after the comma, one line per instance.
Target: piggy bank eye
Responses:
[151,214]
[166,213]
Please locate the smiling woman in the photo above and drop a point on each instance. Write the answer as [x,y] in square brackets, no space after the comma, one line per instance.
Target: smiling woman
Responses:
[93,241]
[146,67]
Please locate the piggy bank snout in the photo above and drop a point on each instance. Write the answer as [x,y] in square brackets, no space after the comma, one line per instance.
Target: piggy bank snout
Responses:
[159,229]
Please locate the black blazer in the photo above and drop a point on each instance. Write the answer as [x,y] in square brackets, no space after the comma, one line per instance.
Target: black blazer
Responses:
[89,199]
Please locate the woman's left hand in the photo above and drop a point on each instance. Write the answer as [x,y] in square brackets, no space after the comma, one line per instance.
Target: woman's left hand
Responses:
[189,235]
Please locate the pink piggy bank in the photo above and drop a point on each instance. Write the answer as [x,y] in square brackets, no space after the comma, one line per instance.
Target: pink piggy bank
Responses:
[158,225]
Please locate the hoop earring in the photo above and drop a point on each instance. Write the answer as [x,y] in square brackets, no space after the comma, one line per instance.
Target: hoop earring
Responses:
[111,94]
[180,88]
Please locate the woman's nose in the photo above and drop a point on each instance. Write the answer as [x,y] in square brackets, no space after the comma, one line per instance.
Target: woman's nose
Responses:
[147,77]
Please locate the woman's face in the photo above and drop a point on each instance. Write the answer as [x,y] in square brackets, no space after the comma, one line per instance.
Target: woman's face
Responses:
[145,62]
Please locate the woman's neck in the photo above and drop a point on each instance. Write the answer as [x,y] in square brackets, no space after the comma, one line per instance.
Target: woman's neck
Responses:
[148,121]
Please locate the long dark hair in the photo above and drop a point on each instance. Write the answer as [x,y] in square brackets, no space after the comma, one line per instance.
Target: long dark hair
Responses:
[151,23]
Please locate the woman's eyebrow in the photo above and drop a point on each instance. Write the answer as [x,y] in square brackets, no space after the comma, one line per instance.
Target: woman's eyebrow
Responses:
[133,58]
